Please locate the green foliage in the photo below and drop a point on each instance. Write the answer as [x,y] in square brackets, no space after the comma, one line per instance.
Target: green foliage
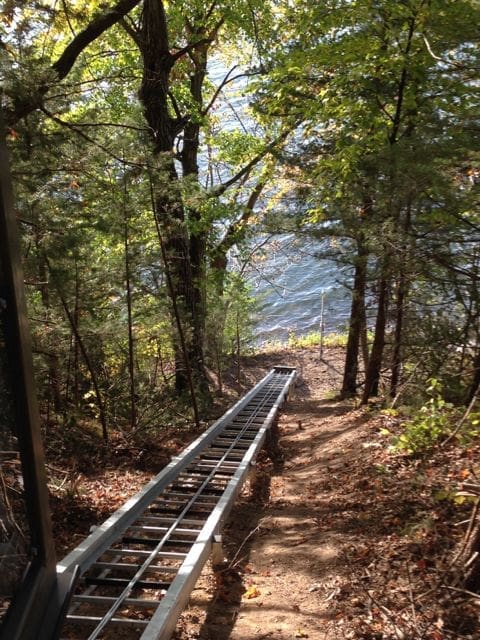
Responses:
[433,422]
[316,338]
[229,326]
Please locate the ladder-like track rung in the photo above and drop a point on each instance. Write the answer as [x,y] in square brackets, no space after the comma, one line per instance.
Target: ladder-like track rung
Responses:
[108,600]
[90,620]
[127,566]
[153,542]
[169,521]
[124,582]
[178,530]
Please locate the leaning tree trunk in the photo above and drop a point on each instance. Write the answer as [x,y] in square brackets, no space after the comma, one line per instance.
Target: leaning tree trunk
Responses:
[357,314]
[372,376]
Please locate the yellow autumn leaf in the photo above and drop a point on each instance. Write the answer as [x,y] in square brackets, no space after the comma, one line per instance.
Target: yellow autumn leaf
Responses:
[252,592]
[300,633]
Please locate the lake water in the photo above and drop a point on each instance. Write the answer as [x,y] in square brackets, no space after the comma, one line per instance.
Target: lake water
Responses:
[289,281]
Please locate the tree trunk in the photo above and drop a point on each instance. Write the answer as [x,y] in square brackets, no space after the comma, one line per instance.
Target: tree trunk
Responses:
[402,292]
[185,255]
[372,376]
[197,231]
[475,384]
[397,337]
[102,416]
[357,314]
[128,293]
[53,361]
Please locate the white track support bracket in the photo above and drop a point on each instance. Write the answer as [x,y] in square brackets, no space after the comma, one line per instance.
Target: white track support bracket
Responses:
[217,555]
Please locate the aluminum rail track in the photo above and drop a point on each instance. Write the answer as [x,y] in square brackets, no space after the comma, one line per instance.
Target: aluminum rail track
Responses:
[138,568]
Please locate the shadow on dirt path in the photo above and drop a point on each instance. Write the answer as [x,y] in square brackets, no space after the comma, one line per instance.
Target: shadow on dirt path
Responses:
[271,530]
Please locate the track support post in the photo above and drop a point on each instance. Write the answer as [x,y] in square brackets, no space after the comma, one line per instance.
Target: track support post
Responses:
[252,476]
[217,555]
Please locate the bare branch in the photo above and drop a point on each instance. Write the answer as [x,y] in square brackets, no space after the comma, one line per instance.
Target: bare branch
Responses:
[223,83]
[190,47]
[83,135]
[131,30]
[451,63]
[218,191]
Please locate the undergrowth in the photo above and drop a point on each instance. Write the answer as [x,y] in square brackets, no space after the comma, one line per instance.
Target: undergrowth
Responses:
[312,339]
[434,422]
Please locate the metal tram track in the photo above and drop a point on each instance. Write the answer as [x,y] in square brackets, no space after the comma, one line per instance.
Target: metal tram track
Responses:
[138,568]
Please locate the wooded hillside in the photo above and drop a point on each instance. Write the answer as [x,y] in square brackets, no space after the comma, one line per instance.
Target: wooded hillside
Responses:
[151,142]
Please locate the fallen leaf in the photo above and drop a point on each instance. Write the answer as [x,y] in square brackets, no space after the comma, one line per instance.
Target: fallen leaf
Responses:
[421,564]
[252,592]
[300,633]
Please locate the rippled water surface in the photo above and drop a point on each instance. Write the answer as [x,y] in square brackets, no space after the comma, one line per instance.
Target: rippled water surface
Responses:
[289,282]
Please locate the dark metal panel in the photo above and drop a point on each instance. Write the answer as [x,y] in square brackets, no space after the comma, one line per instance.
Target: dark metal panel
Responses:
[30,600]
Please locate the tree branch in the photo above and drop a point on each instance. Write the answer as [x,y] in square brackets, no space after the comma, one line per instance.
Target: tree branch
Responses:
[132,31]
[218,191]
[218,90]
[79,132]
[61,68]
[94,30]
[190,47]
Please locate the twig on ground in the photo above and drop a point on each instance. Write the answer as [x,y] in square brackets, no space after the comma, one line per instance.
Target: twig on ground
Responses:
[412,600]
[464,591]
[468,533]
[388,616]
[233,562]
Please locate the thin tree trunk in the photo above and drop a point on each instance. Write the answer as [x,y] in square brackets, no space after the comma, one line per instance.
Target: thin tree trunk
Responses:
[372,376]
[475,384]
[76,350]
[357,314]
[402,291]
[181,342]
[128,291]
[397,337]
[131,353]
[53,362]
[364,338]
[93,376]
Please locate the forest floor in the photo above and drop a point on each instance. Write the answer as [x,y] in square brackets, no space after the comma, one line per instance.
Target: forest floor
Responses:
[338,538]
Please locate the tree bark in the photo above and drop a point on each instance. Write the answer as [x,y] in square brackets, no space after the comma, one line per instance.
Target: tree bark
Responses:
[185,274]
[128,294]
[356,325]
[475,383]
[53,361]
[372,376]
[398,333]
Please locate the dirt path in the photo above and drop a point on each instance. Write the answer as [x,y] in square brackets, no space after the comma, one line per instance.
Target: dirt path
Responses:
[325,546]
